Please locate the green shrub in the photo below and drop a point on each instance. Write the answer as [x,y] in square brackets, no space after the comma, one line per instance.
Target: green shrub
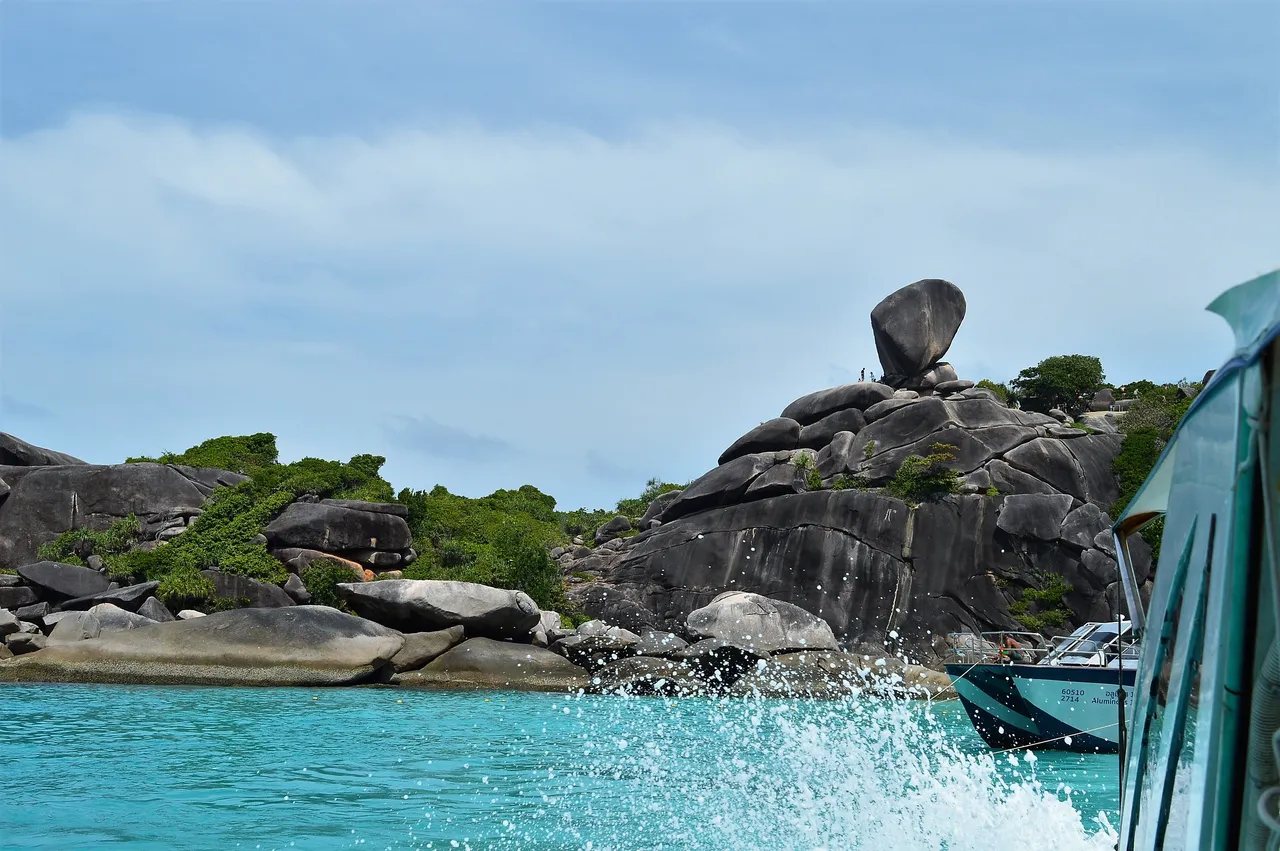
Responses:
[921,478]
[869,449]
[241,454]
[653,489]
[1001,390]
[184,588]
[321,579]
[992,490]
[813,479]
[845,482]
[110,544]
[1041,608]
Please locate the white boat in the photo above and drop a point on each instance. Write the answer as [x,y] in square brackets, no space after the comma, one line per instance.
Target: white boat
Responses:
[1063,696]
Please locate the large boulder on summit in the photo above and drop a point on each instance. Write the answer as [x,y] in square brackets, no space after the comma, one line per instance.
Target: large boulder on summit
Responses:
[754,621]
[337,527]
[485,663]
[18,453]
[914,326]
[419,605]
[64,580]
[773,435]
[861,395]
[301,645]
[46,501]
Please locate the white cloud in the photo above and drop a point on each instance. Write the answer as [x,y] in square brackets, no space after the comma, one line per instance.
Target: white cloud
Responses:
[629,304]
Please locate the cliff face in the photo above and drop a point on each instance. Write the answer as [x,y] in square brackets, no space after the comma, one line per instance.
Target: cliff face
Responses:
[798,510]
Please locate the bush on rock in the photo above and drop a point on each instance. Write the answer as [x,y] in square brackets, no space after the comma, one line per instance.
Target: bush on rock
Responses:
[924,477]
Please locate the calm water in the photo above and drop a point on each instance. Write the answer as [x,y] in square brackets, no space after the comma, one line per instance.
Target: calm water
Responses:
[203,768]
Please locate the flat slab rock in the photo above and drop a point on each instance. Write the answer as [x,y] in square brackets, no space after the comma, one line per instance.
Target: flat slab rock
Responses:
[336,528]
[421,605]
[301,645]
[64,580]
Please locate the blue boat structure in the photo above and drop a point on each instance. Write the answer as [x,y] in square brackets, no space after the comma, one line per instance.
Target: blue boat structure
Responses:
[1201,765]
[1020,693]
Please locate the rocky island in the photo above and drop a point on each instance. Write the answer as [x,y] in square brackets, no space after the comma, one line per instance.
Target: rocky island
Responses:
[832,549]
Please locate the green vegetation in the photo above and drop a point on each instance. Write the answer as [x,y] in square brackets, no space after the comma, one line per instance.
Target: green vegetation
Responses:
[110,544]
[237,454]
[1066,382]
[1042,608]
[1001,390]
[992,490]
[223,537]
[1147,427]
[654,488]
[869,449]
[922,478]
[321,579]
[845,482]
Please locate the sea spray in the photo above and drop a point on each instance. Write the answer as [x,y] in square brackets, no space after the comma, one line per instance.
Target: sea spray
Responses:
[862,773]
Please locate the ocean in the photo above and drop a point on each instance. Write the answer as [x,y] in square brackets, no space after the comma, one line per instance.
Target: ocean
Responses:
[87,767]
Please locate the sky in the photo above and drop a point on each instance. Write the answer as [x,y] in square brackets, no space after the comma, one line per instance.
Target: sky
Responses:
[579,245]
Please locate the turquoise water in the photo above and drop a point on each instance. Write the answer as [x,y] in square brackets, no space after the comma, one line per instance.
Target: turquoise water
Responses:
[204,768]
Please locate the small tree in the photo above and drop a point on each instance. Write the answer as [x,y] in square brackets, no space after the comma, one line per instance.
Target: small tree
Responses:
[1067,382]
[923,477]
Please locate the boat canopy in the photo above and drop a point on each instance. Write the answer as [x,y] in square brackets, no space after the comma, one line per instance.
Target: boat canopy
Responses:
[1252,309]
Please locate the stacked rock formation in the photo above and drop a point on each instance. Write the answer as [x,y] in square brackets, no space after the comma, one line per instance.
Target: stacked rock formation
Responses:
[796,509]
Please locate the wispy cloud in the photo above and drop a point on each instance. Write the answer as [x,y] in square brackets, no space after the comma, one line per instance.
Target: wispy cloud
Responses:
[11,406]
[431,437]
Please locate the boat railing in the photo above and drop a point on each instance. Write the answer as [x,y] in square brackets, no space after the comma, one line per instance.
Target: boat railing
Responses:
[1031,648]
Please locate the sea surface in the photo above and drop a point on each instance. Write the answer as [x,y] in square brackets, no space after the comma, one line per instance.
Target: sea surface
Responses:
[86,767]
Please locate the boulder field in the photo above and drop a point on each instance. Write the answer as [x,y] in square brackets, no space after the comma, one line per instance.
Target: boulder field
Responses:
[748,640]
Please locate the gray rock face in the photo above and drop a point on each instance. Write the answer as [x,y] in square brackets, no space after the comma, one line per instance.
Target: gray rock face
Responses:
[779,480]
[659,644]
[376,507]
[776,434]
[46,501]
[15,597]
[643,676]
[8,623]
[1034,515]
[335,528]
[130,597]
[724,485]
[750,620]
[18,453]
[115,619]
[21,643]
[296,590]
[64,580]
[720,664]
[421,605]
[421,647]
[914,326]
[485,663]
[73,627]
[300,645]
[658,506]
[861,395]
[820,433]
[154,610]
[593,652]
[230,586]
[611,529]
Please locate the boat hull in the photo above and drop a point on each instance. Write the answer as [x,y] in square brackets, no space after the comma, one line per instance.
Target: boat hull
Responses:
[1041,706]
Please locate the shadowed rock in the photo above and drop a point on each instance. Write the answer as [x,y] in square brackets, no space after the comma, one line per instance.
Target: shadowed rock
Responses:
[231,586]
[130,597]
[485,663]
[18,453]
[421,647]
[300,645]
[334,528]
[64,580]
[820,433]
[645,676]
[776,434]
[861,395]
[724,485]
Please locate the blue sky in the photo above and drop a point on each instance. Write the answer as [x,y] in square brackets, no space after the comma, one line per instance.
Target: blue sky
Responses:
[580,244]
